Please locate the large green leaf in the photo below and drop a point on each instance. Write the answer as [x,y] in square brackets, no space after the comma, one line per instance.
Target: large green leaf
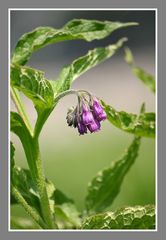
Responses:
[18,127]
[83,64]
[88,30]
[22,180]
[140,125]
[137,217]
[140,73]
[66,213]
[33,84]
[104,188]
[42,91]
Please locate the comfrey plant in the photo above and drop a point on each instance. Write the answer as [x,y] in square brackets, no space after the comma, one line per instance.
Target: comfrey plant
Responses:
[47,206]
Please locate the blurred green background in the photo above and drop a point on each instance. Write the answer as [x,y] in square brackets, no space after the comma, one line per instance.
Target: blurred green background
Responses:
[70,160]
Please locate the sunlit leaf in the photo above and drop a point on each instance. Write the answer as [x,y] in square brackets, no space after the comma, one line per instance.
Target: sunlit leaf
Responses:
[104,188]
[140,125]
[137,217]
[33,84]
[140,73]
[40,37]
[83,64]
[145,77]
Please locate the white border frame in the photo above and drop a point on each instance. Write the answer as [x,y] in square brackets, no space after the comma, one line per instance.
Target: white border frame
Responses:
[156,110]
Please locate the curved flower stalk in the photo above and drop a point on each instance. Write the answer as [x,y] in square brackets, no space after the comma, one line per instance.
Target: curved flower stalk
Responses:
[87,115]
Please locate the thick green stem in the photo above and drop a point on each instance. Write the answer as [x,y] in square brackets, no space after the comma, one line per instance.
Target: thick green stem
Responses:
[31,147]
[41,184]
[27,208]
[20,108]
[33,154]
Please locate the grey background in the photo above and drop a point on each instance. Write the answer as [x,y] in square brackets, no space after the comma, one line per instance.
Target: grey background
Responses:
[3,130]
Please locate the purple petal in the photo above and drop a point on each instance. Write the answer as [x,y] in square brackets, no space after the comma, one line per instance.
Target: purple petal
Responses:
[87,116]
[97,109]
[102,117]
[82,129]
[94,126]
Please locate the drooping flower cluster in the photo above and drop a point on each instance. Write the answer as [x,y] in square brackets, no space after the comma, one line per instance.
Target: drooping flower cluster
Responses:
[87,115]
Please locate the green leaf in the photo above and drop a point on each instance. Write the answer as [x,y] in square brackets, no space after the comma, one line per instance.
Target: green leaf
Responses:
[83,64]
[104,188]
[137,217]
[18,127]
[40,37]
[22,180]
[33,84]
[140,73]
[22,223]
[12,165]
[66,213]
[129,56]
[12,151]
[64,209]
[12,161]
[145,77]
[141,125]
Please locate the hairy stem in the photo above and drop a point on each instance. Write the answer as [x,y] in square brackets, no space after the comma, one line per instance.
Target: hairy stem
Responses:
[20,108]
[43,116]
[63,94]
[27,208]
[41,184]
[31,148]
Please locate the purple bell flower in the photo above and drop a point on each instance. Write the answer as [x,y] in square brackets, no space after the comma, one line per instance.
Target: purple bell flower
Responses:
[82,129]
[87,116]
[102,117]
[98,111]
[97,108]
[94,126]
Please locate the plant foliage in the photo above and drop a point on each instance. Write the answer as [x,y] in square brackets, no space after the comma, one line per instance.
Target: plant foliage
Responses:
[49,207]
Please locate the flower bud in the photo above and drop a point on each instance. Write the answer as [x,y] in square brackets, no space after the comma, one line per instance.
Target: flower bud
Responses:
[98,111]
[87,116]
[94,126]
[97,108]
[102,116]
[71,117]
[82,129]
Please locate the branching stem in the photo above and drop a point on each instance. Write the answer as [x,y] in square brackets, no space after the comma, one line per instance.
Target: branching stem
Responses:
[28,208]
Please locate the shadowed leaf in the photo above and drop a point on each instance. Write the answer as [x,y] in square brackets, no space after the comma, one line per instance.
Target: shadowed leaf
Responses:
[140,73]
[141,125]
[104,188]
